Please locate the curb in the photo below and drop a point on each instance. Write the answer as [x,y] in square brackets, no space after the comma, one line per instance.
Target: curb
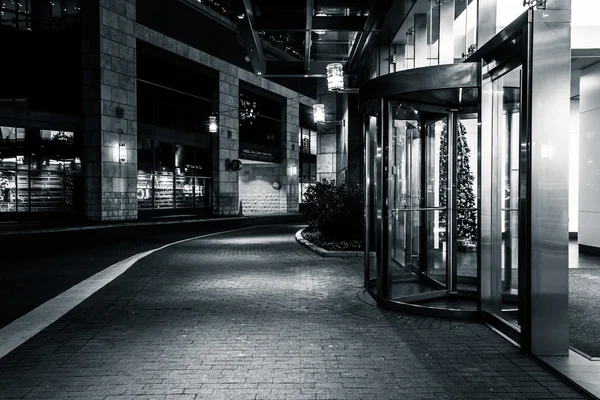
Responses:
[137,223]
[325,253]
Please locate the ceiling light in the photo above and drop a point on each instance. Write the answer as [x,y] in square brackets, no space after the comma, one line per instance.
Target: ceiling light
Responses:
[241,16]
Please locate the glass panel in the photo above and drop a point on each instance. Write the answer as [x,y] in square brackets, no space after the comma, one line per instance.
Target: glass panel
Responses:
[145,181]
[23,192]
[313,142]
[163,191]
[201,192]
[507,91]
[466,217]
[436,183]
[471,24]
[145,192]
[409,50]
[433,34]
[163,179]
[8,147]
[184,192]
[370,189]
[185,168]
[507,11]
[7,191]
[305,141]
[47,191]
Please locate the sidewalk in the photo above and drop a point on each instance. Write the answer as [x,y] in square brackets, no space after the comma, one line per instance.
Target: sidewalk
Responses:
[252,314]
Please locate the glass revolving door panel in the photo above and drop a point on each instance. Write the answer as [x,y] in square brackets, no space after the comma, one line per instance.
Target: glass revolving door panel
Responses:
[427,257]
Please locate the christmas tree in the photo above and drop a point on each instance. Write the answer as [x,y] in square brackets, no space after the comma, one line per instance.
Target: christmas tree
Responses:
[466,215]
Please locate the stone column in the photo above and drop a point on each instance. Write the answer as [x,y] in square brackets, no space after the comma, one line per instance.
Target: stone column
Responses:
[226,148]
[291,157]
[109,108]
[327,135]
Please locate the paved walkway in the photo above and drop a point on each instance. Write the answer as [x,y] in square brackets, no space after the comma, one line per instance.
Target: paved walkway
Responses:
[252,314]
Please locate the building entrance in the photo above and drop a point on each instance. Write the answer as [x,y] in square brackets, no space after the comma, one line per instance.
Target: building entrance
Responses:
[422,160]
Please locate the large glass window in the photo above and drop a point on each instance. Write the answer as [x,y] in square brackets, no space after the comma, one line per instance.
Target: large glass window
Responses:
[260,127]
[172,176]
[308,141]
[33,15]
[40,170]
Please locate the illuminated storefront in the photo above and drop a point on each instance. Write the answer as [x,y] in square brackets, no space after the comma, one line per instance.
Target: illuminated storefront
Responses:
[40,170]
[172,176]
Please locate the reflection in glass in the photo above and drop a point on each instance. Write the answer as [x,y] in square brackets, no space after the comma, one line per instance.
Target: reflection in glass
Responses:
[433,34]
[184,192]
[467,224]
[145,192]
[201,195]
[7,191]
[465,27]
[507,100]
[46,191]
[23,192]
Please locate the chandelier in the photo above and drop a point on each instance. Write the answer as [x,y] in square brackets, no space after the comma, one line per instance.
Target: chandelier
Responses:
[248,110]
[335,76]
[319,113]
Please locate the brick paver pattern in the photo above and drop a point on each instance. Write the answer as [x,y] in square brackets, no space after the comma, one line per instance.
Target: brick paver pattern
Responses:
[252,314]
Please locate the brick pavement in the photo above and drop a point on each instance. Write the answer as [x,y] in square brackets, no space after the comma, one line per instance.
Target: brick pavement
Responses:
[254,315]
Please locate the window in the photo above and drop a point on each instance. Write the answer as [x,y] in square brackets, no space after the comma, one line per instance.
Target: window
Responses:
[40,170]
[34,15]
[308,141]
[260,127]
[172,176]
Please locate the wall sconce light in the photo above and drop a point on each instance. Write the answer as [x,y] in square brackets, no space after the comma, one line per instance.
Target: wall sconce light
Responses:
[122,152]
[293,170]
[319,116]
[335,76]
[212,124]
[319,113]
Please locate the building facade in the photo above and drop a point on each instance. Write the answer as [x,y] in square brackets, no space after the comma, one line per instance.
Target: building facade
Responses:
[119,126]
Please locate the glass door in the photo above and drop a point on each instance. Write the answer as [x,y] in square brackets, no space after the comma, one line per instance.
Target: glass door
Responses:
[418,202]
[505,157]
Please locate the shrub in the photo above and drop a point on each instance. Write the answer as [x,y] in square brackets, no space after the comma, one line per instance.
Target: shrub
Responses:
[337,212]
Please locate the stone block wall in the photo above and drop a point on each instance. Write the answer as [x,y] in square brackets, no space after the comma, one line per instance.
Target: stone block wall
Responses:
[109,107]
[109,37]
[226,147]
[229,187]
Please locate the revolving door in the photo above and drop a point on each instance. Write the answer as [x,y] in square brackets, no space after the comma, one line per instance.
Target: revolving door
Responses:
[466,187]
[422,163]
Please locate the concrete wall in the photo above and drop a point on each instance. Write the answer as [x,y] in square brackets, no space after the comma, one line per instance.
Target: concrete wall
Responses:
[256,188]
[589,157]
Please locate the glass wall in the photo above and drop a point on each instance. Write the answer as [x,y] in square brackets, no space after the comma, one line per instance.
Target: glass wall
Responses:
[40,170]
[260,127]
[173,176]
[308,160]
[32,15]
[465,27]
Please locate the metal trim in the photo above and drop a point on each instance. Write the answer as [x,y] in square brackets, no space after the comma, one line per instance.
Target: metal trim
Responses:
[435,312]
[450,76]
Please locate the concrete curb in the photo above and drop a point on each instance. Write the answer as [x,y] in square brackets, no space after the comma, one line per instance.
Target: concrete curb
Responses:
[138,223]
[325,253]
